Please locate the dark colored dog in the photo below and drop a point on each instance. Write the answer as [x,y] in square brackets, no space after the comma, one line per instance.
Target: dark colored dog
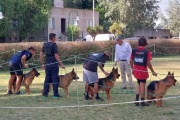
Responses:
[157,89]
[65,81]
[105,84]
[27,79]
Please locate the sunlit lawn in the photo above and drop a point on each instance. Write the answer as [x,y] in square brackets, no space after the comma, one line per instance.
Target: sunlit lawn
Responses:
[35,107]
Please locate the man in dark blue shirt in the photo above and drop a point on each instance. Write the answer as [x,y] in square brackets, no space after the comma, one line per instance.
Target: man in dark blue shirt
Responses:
[16,63]
[90,71]
[51,66]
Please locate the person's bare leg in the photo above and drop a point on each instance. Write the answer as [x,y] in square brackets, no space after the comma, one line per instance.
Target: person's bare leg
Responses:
[96,88]
[10,83]
[18,83]
[142,87]
[137,95]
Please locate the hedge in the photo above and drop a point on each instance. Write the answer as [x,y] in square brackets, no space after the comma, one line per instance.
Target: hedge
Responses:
[69,50]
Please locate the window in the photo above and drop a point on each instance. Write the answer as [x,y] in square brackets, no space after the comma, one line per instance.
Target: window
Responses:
[52,23]
[90,23]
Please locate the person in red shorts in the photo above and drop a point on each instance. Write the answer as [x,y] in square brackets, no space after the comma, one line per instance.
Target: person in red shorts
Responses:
[140,60]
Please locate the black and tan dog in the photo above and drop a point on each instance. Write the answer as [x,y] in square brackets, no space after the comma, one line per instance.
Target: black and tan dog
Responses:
[65,81]
[105,84]
[27,79]
[157,89]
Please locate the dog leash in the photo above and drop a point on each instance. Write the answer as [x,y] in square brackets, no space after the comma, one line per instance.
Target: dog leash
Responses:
[156,76]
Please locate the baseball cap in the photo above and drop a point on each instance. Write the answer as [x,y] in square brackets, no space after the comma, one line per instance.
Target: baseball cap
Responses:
[31,48]
[119,37]
[107,53]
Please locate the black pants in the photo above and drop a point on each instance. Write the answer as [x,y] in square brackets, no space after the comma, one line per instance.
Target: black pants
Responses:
[51,77]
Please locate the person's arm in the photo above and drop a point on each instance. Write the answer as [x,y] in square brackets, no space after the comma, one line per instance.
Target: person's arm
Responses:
[59,61]
[151,68]
[115,56]
[131,63]
[102,68]
[23,60]
[55,49]
[42,59]
[129,51]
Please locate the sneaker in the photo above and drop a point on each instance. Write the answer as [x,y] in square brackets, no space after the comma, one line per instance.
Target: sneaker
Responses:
[18,93]
[124,87]
[57,96]
[98,98]
[45,96]
[9,92]
[87,98]
[144,104]
[136,103]
[131,87]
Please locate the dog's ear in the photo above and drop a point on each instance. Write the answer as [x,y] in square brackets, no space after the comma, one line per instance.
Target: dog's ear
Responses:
[73,70]
[113,69]
[173,73]
[117,69]
[169,73]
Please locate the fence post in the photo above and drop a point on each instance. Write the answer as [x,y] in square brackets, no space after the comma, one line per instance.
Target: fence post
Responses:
[75,62]
[112,53]
[154,51]
[14,51]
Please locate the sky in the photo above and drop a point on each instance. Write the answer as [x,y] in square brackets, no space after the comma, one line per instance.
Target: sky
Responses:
[163,4]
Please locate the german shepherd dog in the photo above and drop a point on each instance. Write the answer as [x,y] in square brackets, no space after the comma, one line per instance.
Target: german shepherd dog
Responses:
[157,89]
[105,84]
[27,79]
[65,81]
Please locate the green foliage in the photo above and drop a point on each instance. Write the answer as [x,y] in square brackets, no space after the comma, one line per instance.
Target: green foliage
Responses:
[115,28]
[80,4]
[134,14]
[94,31]
[29,16]
[73,32]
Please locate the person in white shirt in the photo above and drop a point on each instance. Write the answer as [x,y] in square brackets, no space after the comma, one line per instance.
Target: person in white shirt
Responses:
[122,57]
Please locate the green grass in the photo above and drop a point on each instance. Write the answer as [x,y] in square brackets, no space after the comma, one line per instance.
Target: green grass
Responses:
[39,108]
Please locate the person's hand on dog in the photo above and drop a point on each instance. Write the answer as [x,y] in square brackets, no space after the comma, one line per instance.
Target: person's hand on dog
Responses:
[43,66]
[62,65]
[154,73]
[106,73]
[25,66]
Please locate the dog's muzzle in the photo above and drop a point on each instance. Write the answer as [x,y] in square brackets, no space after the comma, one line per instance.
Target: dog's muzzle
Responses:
[37,74]
[174,82]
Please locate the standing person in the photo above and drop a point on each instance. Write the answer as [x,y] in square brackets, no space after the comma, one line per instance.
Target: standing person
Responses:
[51,66]
[140,60]
[16,64]
[90,71]
[122,57]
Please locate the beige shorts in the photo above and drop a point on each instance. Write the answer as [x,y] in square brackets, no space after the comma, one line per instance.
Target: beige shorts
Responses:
[90,77]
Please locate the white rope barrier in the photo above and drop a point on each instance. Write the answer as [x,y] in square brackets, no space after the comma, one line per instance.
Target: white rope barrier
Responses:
[82,106]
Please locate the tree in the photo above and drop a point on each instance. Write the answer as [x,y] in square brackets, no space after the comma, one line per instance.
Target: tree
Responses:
[174,17]
[80,4]
[115,28]
[73,32]
[25,17]
[94,31]
[132,13]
